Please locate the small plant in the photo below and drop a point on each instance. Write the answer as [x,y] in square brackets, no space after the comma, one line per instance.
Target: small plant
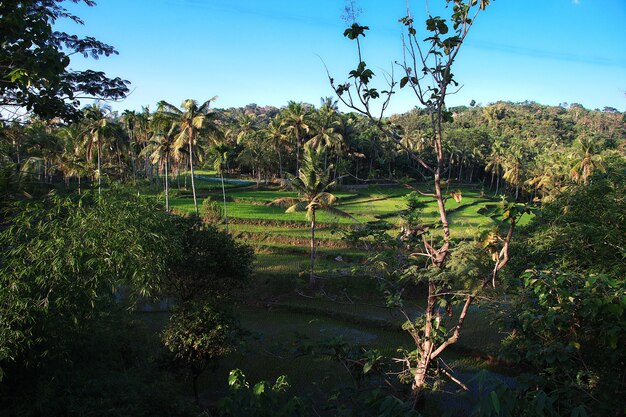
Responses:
[212,211]
[262,400]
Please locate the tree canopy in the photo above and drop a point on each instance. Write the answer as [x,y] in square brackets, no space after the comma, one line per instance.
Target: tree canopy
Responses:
[34,62]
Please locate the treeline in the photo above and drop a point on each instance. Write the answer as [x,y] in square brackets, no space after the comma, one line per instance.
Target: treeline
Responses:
[525,149]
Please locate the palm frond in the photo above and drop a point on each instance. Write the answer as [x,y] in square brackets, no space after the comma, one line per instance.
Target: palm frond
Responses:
[337,212]
[300,206]
[285,202]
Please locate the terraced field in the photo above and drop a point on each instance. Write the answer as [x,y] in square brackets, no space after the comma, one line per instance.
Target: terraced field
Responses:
[281,240]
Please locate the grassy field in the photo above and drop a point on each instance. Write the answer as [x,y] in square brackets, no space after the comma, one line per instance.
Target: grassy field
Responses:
[281,239]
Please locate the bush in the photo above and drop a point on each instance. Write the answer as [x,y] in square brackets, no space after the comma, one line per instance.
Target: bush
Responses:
[212,265]
[212,211]
[570,329]
[73,257]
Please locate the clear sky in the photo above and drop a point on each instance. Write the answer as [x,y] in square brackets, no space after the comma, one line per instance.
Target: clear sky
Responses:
[269,52]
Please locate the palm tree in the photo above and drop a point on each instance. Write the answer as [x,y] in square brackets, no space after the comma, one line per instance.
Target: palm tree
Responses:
[161,148]
[513,168]
[72,164]
[495,163]
[296,119]
[326,128]
[585,160]
[219,153]
[192,119]
[312,184]
[97,121]
[275,133]
[129,119]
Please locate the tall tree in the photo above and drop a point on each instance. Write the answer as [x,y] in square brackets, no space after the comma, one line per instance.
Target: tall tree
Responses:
[97,119]
[427,71]
[220,152]
[296,119]
[586,160]
[192,119]
[275,133]
[312,184]
[162,147]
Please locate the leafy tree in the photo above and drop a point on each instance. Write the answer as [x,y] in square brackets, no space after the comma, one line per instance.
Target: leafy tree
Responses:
[570,329]
[97,120]
[35,58]
[197,335]
[427,71]
[313,184]
[275,133]
[71,258]
[586,160]
[161,148]
[212,265]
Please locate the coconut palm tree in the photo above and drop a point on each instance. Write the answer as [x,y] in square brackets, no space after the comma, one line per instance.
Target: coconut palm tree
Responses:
[312,185]
[219,152]
[192,119]
[97,119]
[72,163]
[585,160]
[326,129]
[495,163]
[296,119]
[513,166]
[275,134]
[161,148]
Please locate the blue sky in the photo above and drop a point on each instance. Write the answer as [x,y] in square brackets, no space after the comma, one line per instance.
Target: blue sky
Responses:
[270,52]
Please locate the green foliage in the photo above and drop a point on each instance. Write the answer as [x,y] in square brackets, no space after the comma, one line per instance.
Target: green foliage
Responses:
[262,400]
[198,334]
[212,211]
[70,258]
[583,230]
[109,367]
[497,399]
[34,60]
[570,329]
[212,265]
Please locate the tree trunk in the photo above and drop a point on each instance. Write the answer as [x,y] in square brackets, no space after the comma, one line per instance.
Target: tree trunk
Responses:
[297,153]
[224,195]
[312,276]
[195,388]
[99,174]
[186,174]
[193,182]
[167,188]
[497,183]
[280,164]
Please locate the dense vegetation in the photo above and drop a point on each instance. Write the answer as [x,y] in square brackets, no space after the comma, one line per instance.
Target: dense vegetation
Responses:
[479,236]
